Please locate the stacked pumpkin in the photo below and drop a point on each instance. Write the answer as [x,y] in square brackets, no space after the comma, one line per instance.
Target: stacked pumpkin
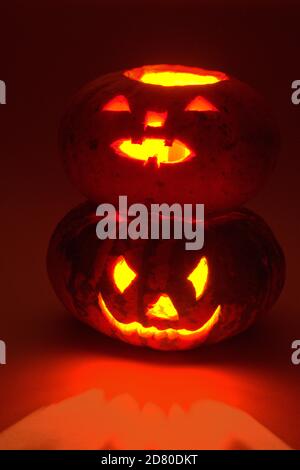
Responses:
[168,134]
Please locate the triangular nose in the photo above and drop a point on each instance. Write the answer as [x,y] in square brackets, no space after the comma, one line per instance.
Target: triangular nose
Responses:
[163,308]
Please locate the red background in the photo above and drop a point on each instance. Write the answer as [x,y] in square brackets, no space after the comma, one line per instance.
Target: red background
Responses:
[47,51]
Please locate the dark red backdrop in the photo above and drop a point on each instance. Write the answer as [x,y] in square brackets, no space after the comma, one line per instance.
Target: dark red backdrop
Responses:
[48,50]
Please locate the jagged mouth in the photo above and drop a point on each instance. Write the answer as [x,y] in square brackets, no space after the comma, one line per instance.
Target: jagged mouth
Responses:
[128,329]
[153,149]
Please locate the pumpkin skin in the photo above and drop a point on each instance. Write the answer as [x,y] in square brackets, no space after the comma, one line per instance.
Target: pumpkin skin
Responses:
[244,278]
[232,141]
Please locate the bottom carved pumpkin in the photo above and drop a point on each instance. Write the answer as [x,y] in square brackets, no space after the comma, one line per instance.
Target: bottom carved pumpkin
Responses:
[155,293]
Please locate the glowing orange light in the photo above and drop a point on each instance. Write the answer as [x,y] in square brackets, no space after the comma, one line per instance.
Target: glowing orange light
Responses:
[174,75]
[177,79]
[128,329]
[200,104]
[118,103]
[154,119]
[163,308]
[123,275]
[175,153]
[198,277]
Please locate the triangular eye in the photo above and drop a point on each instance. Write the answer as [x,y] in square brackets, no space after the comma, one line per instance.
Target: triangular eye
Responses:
[199,276]
[118,103]
[123,275]
[200,104]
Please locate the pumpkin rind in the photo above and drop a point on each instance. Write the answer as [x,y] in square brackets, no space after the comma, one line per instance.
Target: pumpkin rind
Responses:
[234,149]
[245,277]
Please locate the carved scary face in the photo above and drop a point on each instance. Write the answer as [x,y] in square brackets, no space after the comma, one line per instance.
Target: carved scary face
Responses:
[156,293]
[161,304]
[168,133]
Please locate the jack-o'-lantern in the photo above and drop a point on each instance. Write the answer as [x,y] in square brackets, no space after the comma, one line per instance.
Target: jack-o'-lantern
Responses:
[171,133]
[156,293]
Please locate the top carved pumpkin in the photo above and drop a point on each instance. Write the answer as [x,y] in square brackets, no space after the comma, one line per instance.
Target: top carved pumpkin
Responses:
[168,133]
